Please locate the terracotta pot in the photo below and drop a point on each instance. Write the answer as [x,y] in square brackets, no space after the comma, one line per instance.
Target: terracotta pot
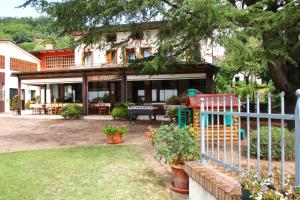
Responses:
[114,139]
[180,182]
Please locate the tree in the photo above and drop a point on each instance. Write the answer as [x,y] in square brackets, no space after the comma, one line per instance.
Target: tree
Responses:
[277,25]
[245,55]
[32,33]
[275,22]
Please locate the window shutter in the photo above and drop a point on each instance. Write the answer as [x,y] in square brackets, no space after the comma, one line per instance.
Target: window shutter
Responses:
[108,57]
[116,55]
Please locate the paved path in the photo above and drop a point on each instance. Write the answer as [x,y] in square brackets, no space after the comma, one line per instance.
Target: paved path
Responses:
[26,133]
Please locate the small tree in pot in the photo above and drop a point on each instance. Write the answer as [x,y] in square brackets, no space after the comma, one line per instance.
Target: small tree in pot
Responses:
[15,104]
[114,135]
[177,145]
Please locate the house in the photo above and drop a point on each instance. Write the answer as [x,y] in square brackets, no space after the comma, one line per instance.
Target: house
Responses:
[15,59]
[93,74]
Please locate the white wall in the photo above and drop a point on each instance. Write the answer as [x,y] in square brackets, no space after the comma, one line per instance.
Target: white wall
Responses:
[9,50]
[149,40]
[197,192]
[252,78]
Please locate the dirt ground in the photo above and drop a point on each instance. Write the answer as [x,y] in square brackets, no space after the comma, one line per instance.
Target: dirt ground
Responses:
[17,134]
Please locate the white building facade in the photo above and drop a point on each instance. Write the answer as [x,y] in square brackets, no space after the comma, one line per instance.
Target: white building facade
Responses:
[14,59]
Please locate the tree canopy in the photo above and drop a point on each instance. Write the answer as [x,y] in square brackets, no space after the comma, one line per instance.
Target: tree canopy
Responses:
[273,25]
[32,33]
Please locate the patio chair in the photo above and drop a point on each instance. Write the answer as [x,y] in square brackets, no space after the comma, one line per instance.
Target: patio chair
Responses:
[102,109]
[51,110]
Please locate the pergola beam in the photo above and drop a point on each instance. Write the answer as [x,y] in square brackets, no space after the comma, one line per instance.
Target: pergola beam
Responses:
[85,100]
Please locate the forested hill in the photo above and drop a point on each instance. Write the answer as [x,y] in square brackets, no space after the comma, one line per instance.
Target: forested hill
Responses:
[32,33]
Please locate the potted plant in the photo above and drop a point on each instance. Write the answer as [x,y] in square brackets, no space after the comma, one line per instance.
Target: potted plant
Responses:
[114,134]
[15,104]
[177,145]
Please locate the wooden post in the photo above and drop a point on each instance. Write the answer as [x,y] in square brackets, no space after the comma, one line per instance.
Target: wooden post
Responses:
[210,83]
[85,101]
[112,97]
[45,94]
[148,92]
[20,95]
[124,87]
[62,91]
[297,141]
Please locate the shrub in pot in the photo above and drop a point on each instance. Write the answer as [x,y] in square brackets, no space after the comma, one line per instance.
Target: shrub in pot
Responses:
[72,111]
[177,145]
[114,134]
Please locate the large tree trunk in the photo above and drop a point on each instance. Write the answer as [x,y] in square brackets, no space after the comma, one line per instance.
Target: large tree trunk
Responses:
[284,74]
[283,78]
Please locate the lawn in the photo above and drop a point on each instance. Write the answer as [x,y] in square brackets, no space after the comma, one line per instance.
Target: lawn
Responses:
[118,172]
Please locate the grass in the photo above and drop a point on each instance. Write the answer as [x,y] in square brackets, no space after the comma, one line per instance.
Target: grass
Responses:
[94,173]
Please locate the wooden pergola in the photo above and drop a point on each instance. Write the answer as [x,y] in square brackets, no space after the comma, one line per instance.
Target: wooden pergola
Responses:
[117,72]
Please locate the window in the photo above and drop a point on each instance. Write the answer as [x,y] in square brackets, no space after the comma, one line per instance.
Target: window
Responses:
[111,57]
[137,35]
[98,92]
[237,79]
[55,91]
[69,93]
[164,95]
[130,55]
[12,92]
[141,95]
[145,52]
[2,62]
[167,89]
[32,93]
[87,57]
[154,95]
[111,37]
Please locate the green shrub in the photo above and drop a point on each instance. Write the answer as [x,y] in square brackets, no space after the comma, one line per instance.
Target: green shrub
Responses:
[175,100]
[173,114]
[276,147]
[112,130]
[15,103]
[33,99]
[72,111]
[120,112]
[27,105]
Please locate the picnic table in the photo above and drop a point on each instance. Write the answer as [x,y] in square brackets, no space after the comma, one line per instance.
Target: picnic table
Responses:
[134,111]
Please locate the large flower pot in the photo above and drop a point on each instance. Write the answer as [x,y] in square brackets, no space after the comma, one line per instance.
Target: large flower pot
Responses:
[246,194]
[114,139]
[180,182]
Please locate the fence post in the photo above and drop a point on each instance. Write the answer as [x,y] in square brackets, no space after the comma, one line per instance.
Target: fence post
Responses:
[297,141]
[202,132]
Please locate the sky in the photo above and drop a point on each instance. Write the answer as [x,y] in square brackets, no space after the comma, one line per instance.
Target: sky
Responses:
[8,9]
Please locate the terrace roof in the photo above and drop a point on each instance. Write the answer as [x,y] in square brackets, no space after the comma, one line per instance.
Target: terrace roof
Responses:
[110,69]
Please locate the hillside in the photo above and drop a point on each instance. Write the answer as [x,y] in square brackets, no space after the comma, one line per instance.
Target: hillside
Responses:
[32,33]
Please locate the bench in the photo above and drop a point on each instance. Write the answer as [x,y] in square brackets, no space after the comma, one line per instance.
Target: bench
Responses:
[134,111]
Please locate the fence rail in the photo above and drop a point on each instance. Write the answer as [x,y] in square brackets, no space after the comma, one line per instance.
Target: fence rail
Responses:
[220,126]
